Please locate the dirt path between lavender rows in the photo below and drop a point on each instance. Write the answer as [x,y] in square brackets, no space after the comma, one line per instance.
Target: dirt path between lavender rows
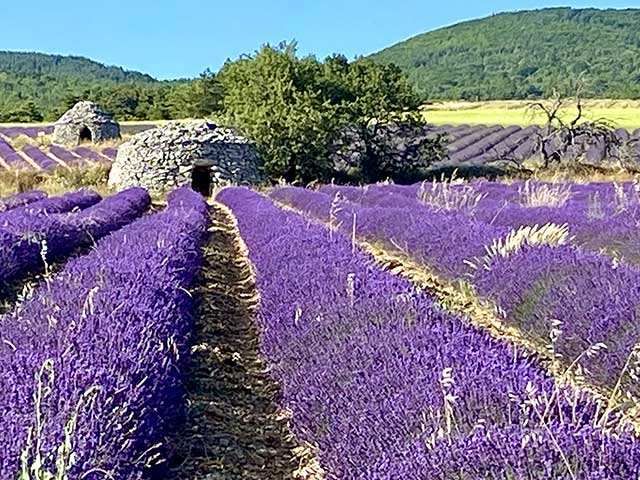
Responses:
[234,429]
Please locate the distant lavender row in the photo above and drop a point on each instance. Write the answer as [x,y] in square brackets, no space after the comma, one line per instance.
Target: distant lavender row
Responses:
[104,346]
[389,386]
[87,153]
[480,144]
[40,158]
[110,152]
[33,132]
[11,157]
[27,236]
[50,205]
[14,160]
[21,199]
[52,157]
[65,155]
[594,299]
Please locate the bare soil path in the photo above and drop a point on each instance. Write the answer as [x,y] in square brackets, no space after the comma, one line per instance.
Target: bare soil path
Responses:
[234,428]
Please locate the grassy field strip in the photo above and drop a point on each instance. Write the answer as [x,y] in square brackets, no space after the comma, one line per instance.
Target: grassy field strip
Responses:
[459,298]
[624,114]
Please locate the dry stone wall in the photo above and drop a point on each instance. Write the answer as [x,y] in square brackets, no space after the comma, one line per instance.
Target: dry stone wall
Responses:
[163,158]
[68,130]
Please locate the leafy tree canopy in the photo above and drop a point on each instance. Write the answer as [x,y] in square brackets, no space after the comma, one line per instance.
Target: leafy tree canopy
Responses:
[296,108]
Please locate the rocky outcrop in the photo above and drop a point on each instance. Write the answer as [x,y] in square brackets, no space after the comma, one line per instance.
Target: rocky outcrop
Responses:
[164,158]
[85,122]
[394,143]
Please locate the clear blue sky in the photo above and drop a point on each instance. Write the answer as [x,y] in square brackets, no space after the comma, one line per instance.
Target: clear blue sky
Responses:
[180,38]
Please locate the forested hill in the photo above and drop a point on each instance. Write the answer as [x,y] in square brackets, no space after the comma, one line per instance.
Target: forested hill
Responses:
[525,54]
[36,87]
[58,66]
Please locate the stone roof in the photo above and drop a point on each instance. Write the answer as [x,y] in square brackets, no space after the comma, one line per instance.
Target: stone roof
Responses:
[184,134]
[163,158]
[85,113]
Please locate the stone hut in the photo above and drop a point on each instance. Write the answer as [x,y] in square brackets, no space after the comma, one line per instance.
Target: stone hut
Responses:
[194,153]
[85,122]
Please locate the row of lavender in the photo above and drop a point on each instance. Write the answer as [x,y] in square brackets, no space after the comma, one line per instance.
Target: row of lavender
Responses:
[603,217]
[469,145]
[15,131]
[21,200]
[43,231]
[93,360]
[32,157]
[387,385]
[561,295]
[479,144]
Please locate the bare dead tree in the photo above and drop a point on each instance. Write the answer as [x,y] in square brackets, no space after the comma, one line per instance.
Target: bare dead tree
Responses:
[563,132]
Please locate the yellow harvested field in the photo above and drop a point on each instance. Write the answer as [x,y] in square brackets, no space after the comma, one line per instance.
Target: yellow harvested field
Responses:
[622,113]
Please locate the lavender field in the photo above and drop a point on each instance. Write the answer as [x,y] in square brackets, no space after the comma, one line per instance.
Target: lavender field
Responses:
[468,146]
[557,263]
[45,158]
[94,357]
[446,330]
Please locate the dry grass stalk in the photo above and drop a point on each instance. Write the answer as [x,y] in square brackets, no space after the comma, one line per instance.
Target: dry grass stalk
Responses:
[33,456]
[449,195]
[594,207]
[549,234]
[544,195]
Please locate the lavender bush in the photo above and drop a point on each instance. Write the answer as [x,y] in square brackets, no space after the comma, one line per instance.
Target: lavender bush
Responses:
[65,155]
[50,205]
[87,153]
[567,299]
[93,362]
[31,238]
[43,160]
[21,199]
[389,386]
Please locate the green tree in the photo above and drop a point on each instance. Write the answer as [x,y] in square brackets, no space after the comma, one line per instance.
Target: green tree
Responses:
[271,98]
[379,108]
[26,112]
[198,98]
[305,116]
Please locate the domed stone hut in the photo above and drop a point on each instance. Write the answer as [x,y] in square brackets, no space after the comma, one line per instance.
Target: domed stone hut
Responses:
[198,154]
[85,122]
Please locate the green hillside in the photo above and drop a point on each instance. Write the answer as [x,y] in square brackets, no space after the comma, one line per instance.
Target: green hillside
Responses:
[36,86]
[525,54]
[58,66]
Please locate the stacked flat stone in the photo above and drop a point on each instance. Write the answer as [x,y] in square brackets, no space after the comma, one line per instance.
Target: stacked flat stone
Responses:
[163,158]
[67,130]
[403,140]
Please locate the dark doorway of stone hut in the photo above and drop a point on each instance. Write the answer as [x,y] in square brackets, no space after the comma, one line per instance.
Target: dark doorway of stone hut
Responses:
[201,180]
[85,135]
